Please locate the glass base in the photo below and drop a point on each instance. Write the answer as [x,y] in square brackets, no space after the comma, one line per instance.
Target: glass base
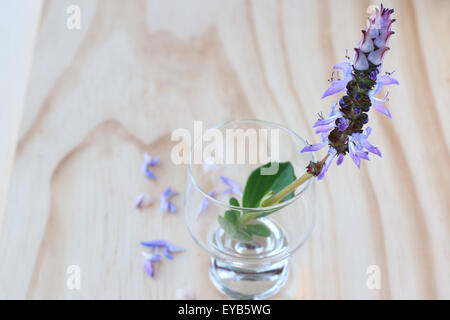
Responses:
[247,273]
[239,283]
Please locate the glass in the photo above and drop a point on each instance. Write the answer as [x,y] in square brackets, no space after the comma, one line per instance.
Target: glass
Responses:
[257,269]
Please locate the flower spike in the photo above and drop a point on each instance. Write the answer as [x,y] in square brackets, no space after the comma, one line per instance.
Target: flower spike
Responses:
[342,130]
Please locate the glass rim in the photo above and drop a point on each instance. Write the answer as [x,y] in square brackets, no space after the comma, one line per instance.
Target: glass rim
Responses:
[226,204]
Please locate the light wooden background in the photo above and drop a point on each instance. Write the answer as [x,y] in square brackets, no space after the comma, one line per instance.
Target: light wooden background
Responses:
[98,97]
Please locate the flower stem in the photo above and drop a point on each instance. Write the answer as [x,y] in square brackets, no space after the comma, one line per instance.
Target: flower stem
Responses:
[280,195]
[291,187]
[283,193]
[274,199]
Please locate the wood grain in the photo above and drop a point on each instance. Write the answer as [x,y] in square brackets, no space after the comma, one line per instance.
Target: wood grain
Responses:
[99,97]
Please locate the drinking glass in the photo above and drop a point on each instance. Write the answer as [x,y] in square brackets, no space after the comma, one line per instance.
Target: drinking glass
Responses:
[231,151]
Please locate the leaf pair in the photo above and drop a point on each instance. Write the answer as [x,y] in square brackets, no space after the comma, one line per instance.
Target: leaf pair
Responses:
[259,185]
[230,223]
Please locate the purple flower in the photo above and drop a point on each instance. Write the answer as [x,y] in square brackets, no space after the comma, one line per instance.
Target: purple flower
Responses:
[355,154]
[342,123]
[148,263]
[340,159]
[166,204]
[233,187]
[376,56]
[362,143]
[148,163]
[340,84]
[143,200]
[383,39]
[327,124]
[342,130]
[317,146]
[376,102]
[366,44]
[152,258]
[331,154]
[361,62]
[204,203]
[168,247]
[356,145]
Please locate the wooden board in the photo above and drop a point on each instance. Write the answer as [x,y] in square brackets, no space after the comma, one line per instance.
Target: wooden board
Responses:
[100,96]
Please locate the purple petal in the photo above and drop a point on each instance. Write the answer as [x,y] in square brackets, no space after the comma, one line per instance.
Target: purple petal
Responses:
[325,128]
[152,257]
[381,108]
[346,68]
[234,187]
[366,42]
[204,203]
[166,193]
[155,161]
[342,124]
[362,155]
[313,147]
[164,206]
[172,207]
[376,57]
[172,248]
[353,155]
[387,80]
[155,243]
[382,39]
[361,62]
[143,201]
[147,158]
[150,174]
[336,86]
[366,144]
[340,159]
[324,121]
[167,253]
[332,154]
[148,267]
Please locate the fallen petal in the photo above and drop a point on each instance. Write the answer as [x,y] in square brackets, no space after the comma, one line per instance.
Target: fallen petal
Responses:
[143,200]
[148,267]
[185,294]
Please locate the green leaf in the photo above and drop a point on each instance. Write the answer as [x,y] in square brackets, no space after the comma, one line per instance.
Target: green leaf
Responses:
[257,229]
[232,216]
[234,202]
[259,185]
[232,231]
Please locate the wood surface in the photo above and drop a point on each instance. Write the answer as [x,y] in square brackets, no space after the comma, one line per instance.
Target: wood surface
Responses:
[98,97]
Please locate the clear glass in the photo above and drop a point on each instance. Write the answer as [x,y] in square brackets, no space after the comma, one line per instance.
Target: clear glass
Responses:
[259,269]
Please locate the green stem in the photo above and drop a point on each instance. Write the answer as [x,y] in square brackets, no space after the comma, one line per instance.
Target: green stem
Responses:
[275,198]
[287,190]
[280,195]
[291,187]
